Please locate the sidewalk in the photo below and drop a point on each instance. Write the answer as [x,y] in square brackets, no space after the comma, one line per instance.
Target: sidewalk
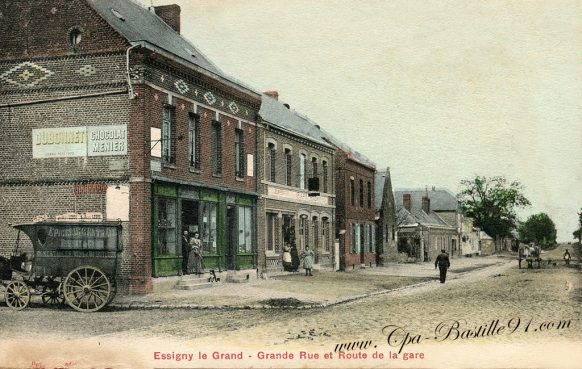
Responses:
[295,290]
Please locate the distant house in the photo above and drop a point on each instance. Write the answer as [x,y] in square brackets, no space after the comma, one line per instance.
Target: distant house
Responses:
[469,237]
[385,208]
[487,243]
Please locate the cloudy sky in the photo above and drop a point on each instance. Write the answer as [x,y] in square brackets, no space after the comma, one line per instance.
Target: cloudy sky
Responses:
[438,91]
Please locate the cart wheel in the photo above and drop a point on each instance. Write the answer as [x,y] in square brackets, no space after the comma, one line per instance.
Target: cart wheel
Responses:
[52,295]
[17,295]
[87,289]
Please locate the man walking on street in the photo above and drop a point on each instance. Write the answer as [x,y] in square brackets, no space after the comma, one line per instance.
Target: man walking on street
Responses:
[185,252]
[443,263]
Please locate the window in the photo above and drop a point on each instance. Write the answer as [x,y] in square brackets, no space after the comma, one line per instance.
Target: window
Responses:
[361,193]
[315,233]
[353,192]
[245,229]
[208,233]
[289,167]
[356,234]
[168,134]
[303,231]
[271,217]
[369,195]
[324,174]
[239,153]
[75,36]
[302,160]
[371,238]
[216,148]
[325,234]
[167,226]
[194,140]
[273,161]
[314,167]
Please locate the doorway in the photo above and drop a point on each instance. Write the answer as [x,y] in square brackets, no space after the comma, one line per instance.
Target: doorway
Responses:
[231,237]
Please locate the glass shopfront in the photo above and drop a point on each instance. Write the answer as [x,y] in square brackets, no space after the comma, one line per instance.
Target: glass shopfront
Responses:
[226,224]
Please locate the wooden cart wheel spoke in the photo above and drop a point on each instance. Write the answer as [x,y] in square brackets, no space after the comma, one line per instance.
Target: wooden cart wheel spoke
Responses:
[87,289]
[17,295]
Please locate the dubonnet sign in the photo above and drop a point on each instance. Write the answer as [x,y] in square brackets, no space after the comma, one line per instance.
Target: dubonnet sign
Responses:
[79,141]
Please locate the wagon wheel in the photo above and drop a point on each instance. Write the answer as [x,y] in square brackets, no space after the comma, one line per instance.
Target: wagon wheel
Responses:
[52,295]
[17,295]
[87,289]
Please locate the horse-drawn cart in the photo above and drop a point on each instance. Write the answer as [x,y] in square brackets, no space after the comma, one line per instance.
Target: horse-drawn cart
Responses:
[73,263]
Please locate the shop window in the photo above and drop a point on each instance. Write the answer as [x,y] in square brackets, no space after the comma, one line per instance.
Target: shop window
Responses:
[271,217]
[216,148]
[239,153]
[303,231]
[315,233]
[194,140]
[168,128]
[325,234]
[208,228]
[245,229]
[167,226]
[289,167]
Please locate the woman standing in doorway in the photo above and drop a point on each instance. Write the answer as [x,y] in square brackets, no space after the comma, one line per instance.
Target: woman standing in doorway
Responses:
[195,260]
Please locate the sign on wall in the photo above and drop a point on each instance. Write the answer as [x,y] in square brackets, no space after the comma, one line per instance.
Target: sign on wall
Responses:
[79,141]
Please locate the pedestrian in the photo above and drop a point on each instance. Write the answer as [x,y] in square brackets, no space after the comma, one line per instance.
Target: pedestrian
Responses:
[185,251]
[567,257]
[442,261]
[287,258]
[195,260]
[307,255]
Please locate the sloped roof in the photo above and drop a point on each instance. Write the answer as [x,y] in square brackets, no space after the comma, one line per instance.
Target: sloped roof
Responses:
[441,199]
[276,113]
[380,176]
[405,217]
[138,24]
[352,154]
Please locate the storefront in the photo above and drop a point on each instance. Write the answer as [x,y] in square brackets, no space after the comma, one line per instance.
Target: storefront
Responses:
[226,222]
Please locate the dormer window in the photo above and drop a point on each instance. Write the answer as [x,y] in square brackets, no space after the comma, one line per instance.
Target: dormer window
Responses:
[118,15]
[75,36]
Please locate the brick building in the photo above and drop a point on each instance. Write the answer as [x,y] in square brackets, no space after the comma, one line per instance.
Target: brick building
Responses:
[106,109]
[355,216]
[293,155]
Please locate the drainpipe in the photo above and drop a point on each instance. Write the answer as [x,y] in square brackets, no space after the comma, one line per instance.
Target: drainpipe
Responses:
[130,87]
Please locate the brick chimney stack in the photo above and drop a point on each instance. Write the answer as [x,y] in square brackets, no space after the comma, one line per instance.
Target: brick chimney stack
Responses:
[407,201]
[170,14]
[273,94]
[426,204]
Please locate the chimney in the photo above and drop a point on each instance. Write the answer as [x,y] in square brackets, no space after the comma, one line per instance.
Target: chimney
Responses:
[170,14]
[273,94]
[407,201]
[426,204]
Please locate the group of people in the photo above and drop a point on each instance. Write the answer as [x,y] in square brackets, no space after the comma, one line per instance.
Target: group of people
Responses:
[192,262]
[290,253]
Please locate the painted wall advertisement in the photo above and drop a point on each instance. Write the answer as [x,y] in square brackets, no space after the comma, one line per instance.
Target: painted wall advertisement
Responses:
[64,142]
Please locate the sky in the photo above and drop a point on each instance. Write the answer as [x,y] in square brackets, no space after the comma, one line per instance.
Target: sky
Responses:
[439,91]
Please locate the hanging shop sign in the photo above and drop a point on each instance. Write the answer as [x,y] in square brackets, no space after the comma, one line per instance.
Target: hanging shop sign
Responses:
[79,141]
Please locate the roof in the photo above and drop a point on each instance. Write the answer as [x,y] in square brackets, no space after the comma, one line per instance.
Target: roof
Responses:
[138,24]
[405,217]
[379,180]
[352,154]
[441,199]
[276,113]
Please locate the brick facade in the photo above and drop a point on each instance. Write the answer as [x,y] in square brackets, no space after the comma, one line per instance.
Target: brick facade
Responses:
[62,65]
[357,217]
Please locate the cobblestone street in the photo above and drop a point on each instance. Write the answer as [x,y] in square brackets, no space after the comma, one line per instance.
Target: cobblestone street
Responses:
[535,306]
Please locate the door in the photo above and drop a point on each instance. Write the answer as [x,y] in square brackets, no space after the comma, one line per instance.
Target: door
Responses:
[231,239]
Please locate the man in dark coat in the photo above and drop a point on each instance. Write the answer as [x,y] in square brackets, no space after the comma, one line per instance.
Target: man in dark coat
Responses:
[185,251]
[442,261]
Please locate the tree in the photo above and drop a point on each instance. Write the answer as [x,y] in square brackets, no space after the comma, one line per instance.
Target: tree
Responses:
[578,233]
[539,228]
[491,202]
